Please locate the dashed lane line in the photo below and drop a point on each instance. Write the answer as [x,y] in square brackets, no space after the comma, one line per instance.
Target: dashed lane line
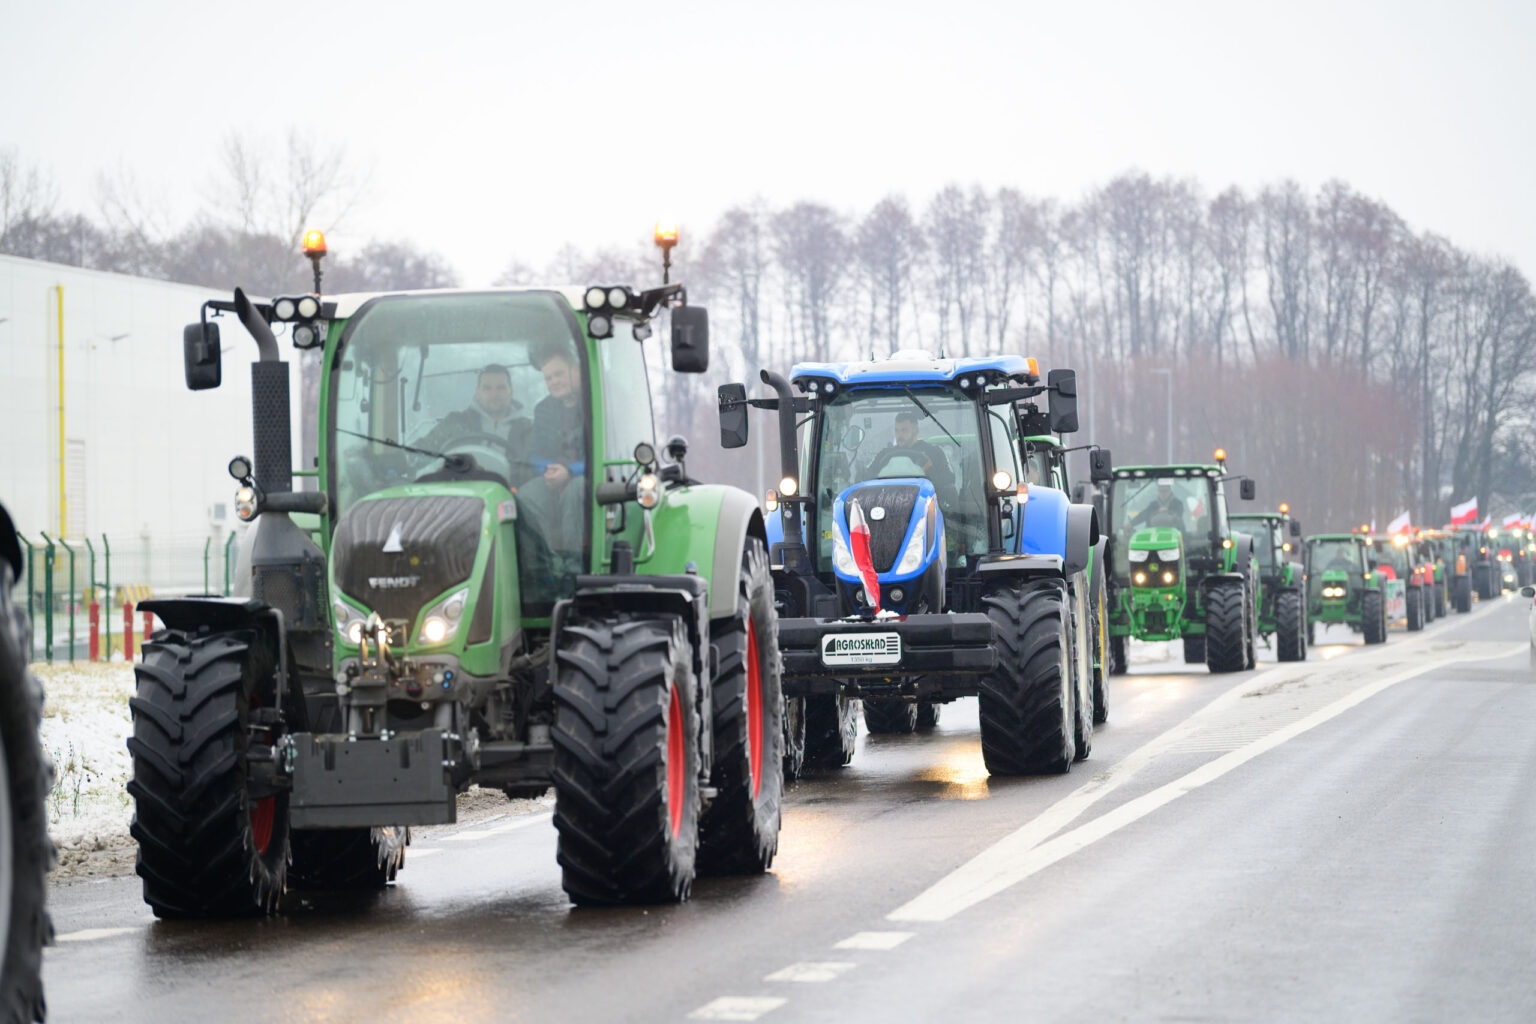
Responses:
[1022,854]
[520,822]
[92,934]
[882,941]
[737,1008]
[810,971]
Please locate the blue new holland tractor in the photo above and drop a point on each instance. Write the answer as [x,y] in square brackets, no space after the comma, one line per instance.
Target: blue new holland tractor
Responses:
[913,563]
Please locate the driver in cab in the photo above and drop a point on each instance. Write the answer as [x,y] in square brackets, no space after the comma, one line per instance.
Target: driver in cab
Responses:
[1166,509]
[491,414]
[926,454]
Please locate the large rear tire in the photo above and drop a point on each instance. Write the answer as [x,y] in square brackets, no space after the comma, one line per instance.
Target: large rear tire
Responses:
[831,731]
[626,740]
[739,833]
[26,854]
[346,859]
[1416,609]
[1290,626]
[1442,607]
[1027,701]
[1226,626]
[1373,617]
[1461,591]
[1101,664]
[210,843]
[892,717]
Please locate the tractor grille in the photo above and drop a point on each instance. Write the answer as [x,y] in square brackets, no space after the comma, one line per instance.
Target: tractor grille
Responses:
[437,539]
[886,534]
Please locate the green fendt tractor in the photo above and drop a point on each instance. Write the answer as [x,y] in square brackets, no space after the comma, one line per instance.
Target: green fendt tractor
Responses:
[1178,571]
[506,588]
[1342,586]
[1044,460]
[1282,579]
[26,776]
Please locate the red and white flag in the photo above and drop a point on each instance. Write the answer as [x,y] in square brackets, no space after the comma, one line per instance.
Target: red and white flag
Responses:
[858,540]
[1401,524]
[1464,513]
[1487,524]
[1512,521]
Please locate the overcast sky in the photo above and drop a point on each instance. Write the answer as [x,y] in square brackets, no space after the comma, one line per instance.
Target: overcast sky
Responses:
[507,129]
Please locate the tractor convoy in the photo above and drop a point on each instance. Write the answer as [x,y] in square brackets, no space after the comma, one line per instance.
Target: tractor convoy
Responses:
[494,576]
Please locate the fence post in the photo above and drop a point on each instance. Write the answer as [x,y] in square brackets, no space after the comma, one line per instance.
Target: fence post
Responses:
[106,552]
[93,609]
[48,598]
[127,629]
[31,585]
[207,542]
[227,542]
[72,598]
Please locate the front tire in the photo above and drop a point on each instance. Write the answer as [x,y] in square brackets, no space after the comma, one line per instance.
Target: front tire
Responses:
[831,731]
[26,776]
[210,843]
[739,833]
[1118,663]
[1461,590]
[1026,702]
[1291,627]
[1226,627]
[1415,609]
[890,717]
[928,715]
[1373,615]
[1194,649]
[626,740]
[794,738]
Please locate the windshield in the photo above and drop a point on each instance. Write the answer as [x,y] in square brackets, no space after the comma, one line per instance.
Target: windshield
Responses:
[1384,552]
[1333,555]
[1037,466]
[871,433]
[496,377]
[1267,538]
[1182,502]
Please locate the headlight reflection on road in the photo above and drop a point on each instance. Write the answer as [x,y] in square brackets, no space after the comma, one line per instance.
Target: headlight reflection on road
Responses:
[960,773]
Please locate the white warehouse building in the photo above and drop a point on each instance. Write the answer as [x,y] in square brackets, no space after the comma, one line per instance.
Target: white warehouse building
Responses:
[140,460]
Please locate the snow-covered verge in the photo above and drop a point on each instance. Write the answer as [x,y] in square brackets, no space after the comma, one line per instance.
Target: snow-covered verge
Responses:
[86,725]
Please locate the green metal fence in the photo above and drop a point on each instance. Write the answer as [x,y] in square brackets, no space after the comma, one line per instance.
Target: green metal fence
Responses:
[64,577]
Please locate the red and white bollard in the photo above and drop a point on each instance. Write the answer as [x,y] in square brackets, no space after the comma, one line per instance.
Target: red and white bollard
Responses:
[95,620]
[127,631]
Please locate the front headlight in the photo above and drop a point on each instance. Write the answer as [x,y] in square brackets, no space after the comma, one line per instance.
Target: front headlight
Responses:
[1169,554]
[842,558]
[349,622]
[917,546]
[1139,556]
[441,621]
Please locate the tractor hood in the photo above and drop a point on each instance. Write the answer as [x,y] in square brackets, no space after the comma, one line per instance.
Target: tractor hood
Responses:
[897,511]
[394,554]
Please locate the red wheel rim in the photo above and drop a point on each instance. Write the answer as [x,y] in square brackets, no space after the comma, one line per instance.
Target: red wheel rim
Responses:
[261,822]
[677,767]
[754,710]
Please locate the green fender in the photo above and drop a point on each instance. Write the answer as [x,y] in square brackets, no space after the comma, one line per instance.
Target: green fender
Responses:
[706,526]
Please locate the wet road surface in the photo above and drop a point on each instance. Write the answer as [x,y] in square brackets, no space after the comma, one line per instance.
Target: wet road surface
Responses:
[1348,838]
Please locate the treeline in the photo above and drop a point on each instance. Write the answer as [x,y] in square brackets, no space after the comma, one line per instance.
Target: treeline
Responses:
[1365,367]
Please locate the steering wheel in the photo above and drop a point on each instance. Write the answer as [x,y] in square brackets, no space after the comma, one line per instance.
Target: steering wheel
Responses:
[887,454]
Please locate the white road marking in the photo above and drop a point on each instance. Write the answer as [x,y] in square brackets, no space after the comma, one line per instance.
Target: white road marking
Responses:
[812,971]
[874,940]
[466,837]
[415,854]
[522,821]
[1022,854]
[92,934]
[737,1008]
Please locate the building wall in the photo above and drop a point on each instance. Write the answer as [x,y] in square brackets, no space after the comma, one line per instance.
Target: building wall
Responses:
[144,457]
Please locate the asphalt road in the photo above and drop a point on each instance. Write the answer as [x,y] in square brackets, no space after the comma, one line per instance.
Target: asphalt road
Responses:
[1346,839]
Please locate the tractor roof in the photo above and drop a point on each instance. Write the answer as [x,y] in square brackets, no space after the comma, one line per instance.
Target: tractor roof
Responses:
[913,366]
[348,303]
[1188,469]
[1274,516]
[1335,536]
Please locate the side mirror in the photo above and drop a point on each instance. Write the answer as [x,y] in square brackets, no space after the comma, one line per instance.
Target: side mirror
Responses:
[1528,591]
[200,356]
[1247,489]
[1295,528]
[733,415]
[1101,467]
[690,339]
[1063,400]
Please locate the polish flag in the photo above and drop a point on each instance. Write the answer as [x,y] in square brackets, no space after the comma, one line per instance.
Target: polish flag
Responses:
[1400,525]
[1512,522]
[1464,513]
[1487,524]
[858,540]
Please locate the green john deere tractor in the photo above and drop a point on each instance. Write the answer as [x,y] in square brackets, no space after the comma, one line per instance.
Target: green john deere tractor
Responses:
[1178,571]
[505,587]
[1283,581]
[1342,586]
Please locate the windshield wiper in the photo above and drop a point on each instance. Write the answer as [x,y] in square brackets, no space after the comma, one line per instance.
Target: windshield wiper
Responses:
[456,461]
[917,402]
